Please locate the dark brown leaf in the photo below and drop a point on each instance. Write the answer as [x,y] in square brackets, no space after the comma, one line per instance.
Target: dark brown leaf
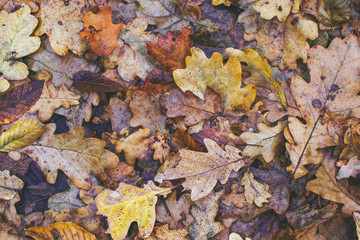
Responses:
[94,82]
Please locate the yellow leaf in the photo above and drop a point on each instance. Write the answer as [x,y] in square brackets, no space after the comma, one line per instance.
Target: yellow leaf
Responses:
[9,185]
[261,75]
[218,2]
[21,135]
[356,217]
[128,204]
[64,231]
[201,72]
[15,42]
[269,9]
[255,192]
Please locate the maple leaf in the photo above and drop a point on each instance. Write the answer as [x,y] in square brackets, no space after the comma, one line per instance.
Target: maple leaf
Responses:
[331,88]
[265,142]
[75,155]
[255,192]
[203,170]
[171,50]
[66,231]
[202,72]
[15,43]
[100,32]
[61,21]
[21,135]
[128,204]
[191,107]
[352,168]
[51,99]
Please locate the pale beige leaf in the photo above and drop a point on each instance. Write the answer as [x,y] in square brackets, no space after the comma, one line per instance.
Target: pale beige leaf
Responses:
[269,9]
[352,168]
[255,192]
[9,185]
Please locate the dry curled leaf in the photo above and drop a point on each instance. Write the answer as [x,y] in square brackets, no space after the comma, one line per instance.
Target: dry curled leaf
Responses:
[128,204]
[95,82]
[255,192]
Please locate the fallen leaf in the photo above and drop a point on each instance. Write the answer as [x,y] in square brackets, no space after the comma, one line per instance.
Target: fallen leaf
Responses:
[9,185]
[19,100]
[182,139]
[255,192]
[236,196]
[265,142]
[171,50]
[333,13]
[8,210]
[62,230]
[51,99]
[279,8]
[161,147]
[61,21]
[191,107]
[15,43]
[218,2]
[203,170]
[21,135]
[128,204]
[75,155]
[119,113]
[100,32]
[163,232]
[235,236]
[202,72]
[356,217]
[95,82]
[351,169]
[9,5]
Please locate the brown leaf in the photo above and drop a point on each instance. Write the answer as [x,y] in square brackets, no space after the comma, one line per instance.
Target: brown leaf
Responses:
[161,147]
[19,100]
[171,50]
[182,139]
[191,107]
[119,113]
[163,232]
[352,168]
[95,82]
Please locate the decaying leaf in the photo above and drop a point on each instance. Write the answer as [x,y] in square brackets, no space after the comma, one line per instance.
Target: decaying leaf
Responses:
[279,8]
[51,99]
[9,185]
[202,72]
[163,232]
[62,230]
[203,170]
[356,216]
[21,135]
[352,168]
[333,13]
[119,113]
[264,143]
[95,82]
[15,42]
[61,21]
[19,100]
[128,204]
[100,32]
[161,147]
[255,192]
[75,155]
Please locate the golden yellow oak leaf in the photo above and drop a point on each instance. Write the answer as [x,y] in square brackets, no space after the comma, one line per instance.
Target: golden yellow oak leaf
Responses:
[201,72]
[15,42]
[21,135]
[73,154]
[51,99]
[9,185]
[265,142]
[65,231]
[280,8]
[128,204]
[61,21]
[218,2]
[255,192]
[203,170]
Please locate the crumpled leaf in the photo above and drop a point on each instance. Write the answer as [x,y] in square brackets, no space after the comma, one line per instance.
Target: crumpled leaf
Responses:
[21,135]
[279,8]
[62,230]
[61,21]
[171,50]
[255,192]
[9,185]
[352,168]
[163,232]
[19,100]
[333,13]
[204,212]
[330,88]
[202,72]
[191,107]
[75,155]
[203,170]
[327,187]
[51,99]
[15,43]
[265,142]
[128,204]
[100,32]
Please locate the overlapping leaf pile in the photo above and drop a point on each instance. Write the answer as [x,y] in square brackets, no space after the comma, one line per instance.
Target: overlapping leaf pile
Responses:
[195,119]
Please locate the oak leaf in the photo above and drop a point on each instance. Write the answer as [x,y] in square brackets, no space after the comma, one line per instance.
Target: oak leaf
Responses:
[163,232]
[191,107]
[203,170]
[66,231]
[333,13]
[330,88]
[21,135]
[61,21]
[119,113]
[100,32]
[95,82]
[51,99]
[171,50]
[279,8]
[9,185]
[265,142]
[19,100]
[202,72]
[128,204]
[218,2]
[255,192]
[352,168]
[15,42]
[75,155]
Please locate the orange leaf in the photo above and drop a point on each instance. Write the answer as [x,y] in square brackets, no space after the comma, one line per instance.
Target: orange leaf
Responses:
[100,32]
